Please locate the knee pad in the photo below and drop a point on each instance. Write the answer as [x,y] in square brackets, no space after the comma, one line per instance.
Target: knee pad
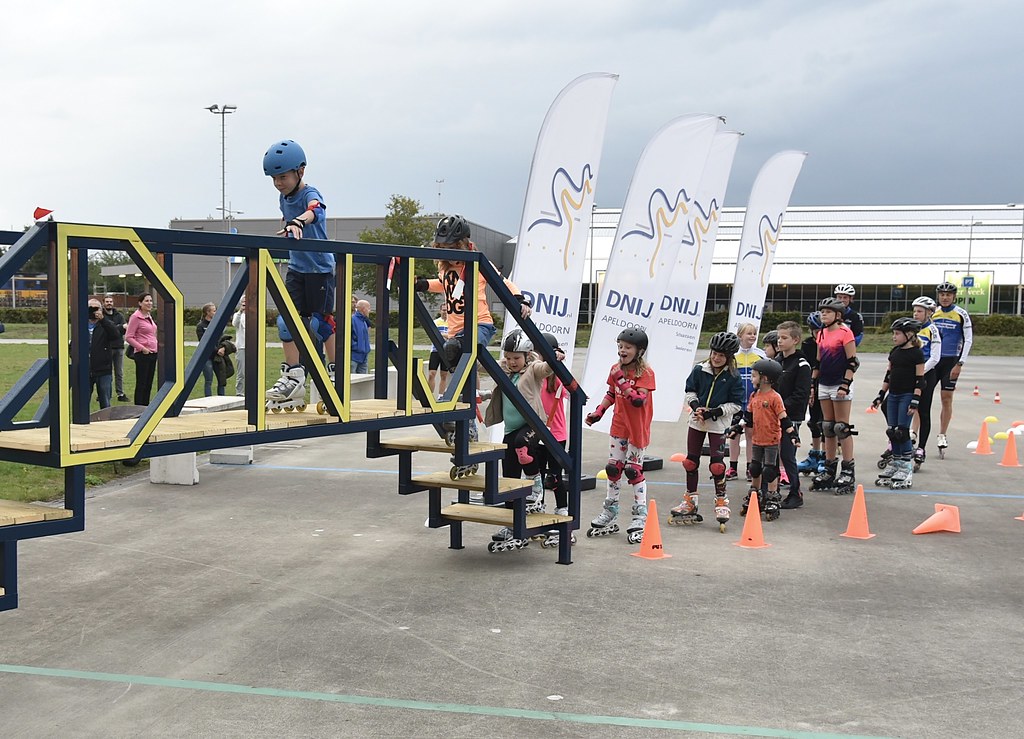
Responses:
[771,473]
[828,429]
[844,430]
[717,468]
[898,434]
[756,468]
[690,464]
[523,453]
[282,330]
[614,469]
[451,353]
[634,473]
[815,429]
[321,325]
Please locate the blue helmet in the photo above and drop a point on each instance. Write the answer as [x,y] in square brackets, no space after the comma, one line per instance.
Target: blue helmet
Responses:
[814,320]
[283,156]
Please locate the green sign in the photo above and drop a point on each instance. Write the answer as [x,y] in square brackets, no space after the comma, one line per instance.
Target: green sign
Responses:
[975,291]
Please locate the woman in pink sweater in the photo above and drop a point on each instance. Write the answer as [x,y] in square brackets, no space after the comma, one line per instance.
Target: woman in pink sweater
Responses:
[141,335]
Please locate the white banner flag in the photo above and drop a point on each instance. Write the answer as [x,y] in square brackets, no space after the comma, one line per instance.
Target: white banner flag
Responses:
[654,222]
[769,198]
[675,327]
[553,233]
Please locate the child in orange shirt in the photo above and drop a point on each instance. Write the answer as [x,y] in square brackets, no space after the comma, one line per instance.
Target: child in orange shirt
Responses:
[630,385]
[766,416]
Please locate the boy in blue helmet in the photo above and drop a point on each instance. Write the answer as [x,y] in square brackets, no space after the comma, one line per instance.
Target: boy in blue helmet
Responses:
[310,280]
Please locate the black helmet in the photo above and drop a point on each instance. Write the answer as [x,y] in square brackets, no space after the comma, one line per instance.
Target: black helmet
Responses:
[945,287]
[769,368]
[451,229]
[725,342]
[772,337]
[635,336]
[833,304]
[517,341]
[551,339]
[906,325]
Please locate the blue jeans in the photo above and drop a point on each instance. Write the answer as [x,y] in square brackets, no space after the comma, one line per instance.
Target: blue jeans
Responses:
[359,368]
[896,406]
[208,379]
[103,385]
[484,334]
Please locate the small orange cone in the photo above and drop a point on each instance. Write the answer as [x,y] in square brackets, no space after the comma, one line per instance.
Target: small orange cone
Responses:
[1010,455]
[650,544]
[997,400]
[984,445]
[677,457]
[976,392]
[871,409]
[945,518]
[1020,517]
[752,536]
[857,528]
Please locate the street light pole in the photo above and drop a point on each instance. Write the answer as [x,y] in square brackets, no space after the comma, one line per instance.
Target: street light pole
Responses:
[1020,267]
[223,111]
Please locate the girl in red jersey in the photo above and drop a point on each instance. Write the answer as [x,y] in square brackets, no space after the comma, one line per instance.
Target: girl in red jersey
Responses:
[630,384]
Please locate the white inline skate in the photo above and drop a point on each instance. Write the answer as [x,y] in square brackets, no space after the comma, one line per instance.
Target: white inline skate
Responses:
[604,523]
[503,541]
[314,392]
[635,530]
[289,392]
[903,477]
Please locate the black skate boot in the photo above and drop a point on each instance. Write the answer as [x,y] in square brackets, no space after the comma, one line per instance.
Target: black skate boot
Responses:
[845,482]
[826,479]
[772,505]
[793,500]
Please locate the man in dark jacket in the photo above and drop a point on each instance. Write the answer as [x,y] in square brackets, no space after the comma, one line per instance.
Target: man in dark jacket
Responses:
[115,316]
[795,389]
[103,339]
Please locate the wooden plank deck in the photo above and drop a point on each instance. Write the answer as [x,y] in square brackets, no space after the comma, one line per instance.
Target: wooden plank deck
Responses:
[106,434]
[470,482]
[13,512]
[499,516]
[435,444]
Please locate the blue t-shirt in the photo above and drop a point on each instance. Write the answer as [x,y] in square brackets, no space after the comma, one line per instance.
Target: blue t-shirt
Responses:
[308,262]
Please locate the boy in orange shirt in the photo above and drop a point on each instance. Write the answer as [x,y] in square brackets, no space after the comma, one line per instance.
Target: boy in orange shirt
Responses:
[766,415]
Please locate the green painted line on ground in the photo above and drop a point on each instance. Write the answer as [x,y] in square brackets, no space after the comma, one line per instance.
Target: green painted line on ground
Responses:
[577,718]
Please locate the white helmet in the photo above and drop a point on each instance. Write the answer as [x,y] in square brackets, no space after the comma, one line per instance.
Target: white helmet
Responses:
[517,341]
[924,302]
[844,290]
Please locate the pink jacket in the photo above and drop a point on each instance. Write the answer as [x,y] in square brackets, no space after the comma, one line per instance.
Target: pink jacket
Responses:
[141,332]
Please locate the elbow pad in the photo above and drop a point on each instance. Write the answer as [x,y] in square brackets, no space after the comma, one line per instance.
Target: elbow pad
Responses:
[636,397]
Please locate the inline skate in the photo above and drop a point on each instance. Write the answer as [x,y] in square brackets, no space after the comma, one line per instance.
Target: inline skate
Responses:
[289,392]
[942,444]
[846,481]
[685,514]
[772,505]
[458,471]
[812,465]
[551,537]
[826,479]
[635,530]
[903,477]
[535,499]
[314,392]
[885,458]
[722,512]
[919,457]
[884,478]
[604,523]
[504,541]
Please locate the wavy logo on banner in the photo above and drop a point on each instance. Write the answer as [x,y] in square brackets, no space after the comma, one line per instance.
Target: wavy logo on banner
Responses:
[768,237]
[563,202]
[661,217]
[703,221]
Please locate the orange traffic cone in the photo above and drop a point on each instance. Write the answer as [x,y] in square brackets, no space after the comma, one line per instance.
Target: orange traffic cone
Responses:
[650,544]
[984,445]
[1020,517]
[677,457]
[945,518]
[1010,455]
[976,392]
[997,400]
[857,528]
[752,536]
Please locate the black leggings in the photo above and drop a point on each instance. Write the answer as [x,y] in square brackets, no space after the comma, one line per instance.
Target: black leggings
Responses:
[521,437]
[924,411]
[552,470]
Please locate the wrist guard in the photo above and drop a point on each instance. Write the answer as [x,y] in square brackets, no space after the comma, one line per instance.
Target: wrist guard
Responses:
[713,414]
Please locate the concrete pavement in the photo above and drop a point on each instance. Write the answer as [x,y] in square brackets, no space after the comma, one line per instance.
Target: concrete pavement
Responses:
[301,596]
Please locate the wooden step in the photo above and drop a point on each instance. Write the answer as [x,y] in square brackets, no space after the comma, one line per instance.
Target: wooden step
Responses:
[471,482]
[499,516]
[13,512]
[435,444]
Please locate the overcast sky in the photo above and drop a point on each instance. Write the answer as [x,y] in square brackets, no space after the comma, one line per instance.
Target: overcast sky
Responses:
[897,102]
